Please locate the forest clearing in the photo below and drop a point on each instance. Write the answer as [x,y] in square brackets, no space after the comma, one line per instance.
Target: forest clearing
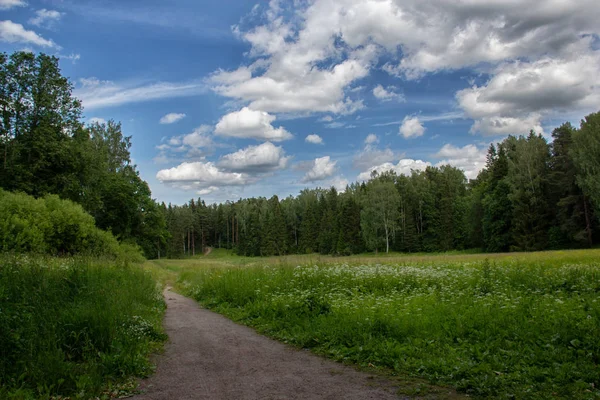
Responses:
[519,325]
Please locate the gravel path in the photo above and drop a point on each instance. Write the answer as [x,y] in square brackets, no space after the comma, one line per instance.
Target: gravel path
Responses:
[211,357]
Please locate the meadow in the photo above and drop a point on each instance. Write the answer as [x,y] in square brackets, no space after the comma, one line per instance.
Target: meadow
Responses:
[521,325]
[75,327]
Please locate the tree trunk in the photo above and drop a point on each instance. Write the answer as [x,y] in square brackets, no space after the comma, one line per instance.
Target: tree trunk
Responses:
[193,242]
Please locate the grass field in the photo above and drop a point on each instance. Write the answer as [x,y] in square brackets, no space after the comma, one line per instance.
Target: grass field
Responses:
[499,325]
[75,327]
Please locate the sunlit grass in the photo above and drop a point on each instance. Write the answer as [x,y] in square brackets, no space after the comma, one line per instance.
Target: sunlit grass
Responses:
[502,325]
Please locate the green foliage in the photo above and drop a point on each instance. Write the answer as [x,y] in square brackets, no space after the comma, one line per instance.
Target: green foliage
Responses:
[71,327]
[586,157]
[53,226]
[503,329]
[46,149]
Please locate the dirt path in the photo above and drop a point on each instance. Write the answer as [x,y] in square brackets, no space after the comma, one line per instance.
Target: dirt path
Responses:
[211,357]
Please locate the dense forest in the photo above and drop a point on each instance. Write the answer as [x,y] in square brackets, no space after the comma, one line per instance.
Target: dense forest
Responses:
[532,195]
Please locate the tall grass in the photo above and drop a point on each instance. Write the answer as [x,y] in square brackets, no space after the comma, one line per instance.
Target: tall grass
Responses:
[73,326]
[506,328]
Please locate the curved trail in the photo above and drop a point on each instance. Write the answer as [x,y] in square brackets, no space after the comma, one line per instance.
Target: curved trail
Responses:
[211,357]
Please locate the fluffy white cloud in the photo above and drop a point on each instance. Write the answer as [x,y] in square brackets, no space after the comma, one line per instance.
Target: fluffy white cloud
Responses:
[251,124]
[255,159]
[45,17]
[514,100]
[314,139]
[321,169]
[386,95]
[8,4]
[308,58]
[411,127]
[95,93]
[208,190]
[200,175]
[469,158]
[171,118]
[403,167]
[371,139]
[11,32]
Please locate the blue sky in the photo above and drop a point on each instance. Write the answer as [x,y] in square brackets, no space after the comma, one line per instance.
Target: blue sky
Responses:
[234,99]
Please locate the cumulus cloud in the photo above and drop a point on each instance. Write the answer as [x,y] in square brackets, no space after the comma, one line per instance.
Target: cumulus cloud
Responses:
[201,176]
[45,18]
[171,118]
[314,139]
[11,32]
[411,127]
[251,124]
[518,94]
[255,159]
[8,4]
[321,169]
[309,58]
[95,93]
[469,158]
[386,95]
[404,167]
[371,139]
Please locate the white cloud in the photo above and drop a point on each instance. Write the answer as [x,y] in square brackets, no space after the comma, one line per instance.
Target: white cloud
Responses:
[96,120]
[255,159]
[411,127]
[519,94]
[8,4]
[95,93]
[200,175]
[171,118]
[198,138]
[403,167]
[386,95]
[11,32]
[314,139]
[251,124]
[469,158]
[321,169]
[371,139]
[45,18]
[208,190]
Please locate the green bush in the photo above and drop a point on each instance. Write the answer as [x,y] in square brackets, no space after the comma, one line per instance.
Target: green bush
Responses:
[71,327]
[53,226]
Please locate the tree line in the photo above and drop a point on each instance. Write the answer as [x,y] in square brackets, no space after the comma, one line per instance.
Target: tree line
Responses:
[531,195]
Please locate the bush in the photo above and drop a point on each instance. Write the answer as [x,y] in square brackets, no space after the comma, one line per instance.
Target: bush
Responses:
[53,226]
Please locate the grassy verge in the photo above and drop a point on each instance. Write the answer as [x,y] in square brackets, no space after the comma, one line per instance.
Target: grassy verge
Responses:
[516,326]
[74,327]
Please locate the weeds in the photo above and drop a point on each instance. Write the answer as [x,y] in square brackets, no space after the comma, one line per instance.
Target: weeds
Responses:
[74,327]
[505,329]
